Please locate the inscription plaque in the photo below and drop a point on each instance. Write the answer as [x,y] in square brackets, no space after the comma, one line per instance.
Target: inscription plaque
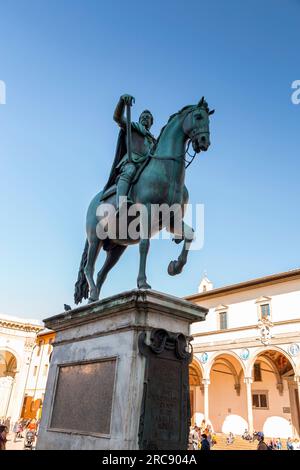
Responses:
[83,397]
[165,415]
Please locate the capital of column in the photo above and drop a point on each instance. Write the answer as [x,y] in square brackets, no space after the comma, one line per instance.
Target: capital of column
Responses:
[297,379]
[205,382]
[280,388]
[248,380]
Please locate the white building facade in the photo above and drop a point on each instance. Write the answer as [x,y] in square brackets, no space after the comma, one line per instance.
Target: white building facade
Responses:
[17,342]
[38,374]
[246,368]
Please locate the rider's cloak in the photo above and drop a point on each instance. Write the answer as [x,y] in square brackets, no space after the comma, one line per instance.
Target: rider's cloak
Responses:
[121,150]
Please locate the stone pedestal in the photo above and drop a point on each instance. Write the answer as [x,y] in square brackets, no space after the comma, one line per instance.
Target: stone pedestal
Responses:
[98,393]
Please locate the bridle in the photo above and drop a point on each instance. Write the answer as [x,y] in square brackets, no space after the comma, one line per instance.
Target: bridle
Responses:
[194,133]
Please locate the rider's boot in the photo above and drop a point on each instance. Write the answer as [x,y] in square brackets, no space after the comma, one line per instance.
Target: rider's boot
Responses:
[122,191]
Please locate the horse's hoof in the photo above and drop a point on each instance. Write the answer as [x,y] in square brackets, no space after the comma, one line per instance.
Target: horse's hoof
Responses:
[177,240]
[143,285]
[90,300]
[175,267]
[171,269]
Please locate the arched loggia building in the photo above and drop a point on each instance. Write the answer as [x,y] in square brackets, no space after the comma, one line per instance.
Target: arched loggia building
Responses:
[8,368]
[246,367]
[274,391]
[17,341]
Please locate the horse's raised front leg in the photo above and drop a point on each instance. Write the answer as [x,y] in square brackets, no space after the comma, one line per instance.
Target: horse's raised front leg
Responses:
[94,247]
[112,257]
[142,279]
[176,266]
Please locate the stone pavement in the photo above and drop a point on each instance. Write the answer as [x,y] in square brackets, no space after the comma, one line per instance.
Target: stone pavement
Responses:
[239,443]
[11,445]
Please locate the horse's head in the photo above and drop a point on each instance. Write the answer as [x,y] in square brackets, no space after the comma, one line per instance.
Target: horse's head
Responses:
[196,125]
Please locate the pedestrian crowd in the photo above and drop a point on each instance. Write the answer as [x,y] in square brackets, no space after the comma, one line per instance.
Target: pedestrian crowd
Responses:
[19,429]
[293,444]
[202,437]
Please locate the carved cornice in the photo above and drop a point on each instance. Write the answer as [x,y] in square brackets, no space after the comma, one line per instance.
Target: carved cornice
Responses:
[246,327]
[14,325]
[140,303]
[248,342]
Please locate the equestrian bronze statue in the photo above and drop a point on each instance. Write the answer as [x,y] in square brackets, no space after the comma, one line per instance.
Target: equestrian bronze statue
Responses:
[146,173]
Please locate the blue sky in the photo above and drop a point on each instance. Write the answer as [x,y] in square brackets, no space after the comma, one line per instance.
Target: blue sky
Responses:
[65,64]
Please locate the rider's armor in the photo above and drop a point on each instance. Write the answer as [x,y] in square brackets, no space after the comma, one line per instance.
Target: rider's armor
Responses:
[143,142]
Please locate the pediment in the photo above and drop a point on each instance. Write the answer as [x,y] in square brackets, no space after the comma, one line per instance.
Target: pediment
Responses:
[263,300]
[221,308]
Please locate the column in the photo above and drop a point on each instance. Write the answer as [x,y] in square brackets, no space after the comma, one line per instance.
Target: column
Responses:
[248,381]
[6,386]
[206,383]
[297,380]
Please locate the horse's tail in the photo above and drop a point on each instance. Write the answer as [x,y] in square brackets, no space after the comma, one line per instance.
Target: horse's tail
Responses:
[81,286]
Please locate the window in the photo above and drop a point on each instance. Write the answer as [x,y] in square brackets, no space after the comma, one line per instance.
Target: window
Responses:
[35,370]
[264,308]
[265,311]
[257,372]
[223,320]
[40,344]
[45,370]
[260,400]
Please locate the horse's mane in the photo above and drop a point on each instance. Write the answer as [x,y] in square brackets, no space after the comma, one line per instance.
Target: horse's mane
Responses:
[185,108]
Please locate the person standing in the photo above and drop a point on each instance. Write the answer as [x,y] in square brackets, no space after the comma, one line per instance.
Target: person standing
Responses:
[289,444]
[3,434]
[205,443]
[279,444]
[15,430]
[261,443]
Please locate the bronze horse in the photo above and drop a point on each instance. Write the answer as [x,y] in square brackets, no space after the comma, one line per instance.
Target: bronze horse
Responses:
[161,182]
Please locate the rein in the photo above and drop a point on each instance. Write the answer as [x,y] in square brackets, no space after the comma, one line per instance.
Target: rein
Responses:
[179,157]
[194,133]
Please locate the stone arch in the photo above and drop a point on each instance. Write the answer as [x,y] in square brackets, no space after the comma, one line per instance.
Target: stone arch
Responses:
[196,390]
[297,368]
[8,363]
[240,374]
[273,422]
[279,382]
[236,377]
[197,366]
[227,392]
[261,350]
[8,370]
[223,353]
[14,353]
